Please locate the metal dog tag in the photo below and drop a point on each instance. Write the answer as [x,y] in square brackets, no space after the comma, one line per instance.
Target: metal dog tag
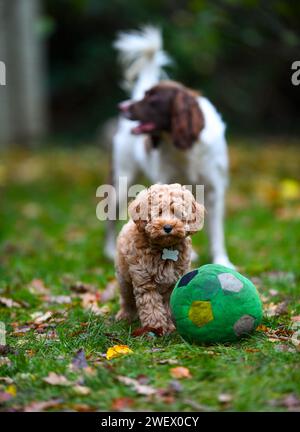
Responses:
[170,254]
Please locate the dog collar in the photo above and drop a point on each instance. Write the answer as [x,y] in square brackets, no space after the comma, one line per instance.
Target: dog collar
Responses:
[171,254]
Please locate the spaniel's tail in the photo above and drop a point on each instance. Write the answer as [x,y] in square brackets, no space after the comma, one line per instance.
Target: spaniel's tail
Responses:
[142,58]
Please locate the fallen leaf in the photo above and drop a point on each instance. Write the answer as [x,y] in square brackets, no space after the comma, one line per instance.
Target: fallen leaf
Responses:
[284,348]
[291,400]
[6,380]
[121,404]
[55,379]
[5,361]
[4,397]
[175,386]
[141,389]
[90,303]
[9,302]
[180,372]
[81,287]
[296,318]
[43,405]
[62,299]
[252,350]
[168,361]
[110,291]
[117,351]
[40,317]
[289,189]
[225,398]
[6,349]
[272,309]
[79,360]
[141,331]
[11,389]
[37,286]
[81,390]
[82,407]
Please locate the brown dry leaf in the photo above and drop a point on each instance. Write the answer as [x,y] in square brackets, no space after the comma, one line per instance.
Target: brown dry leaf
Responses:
[90,302]
[263,328]
[81,288]
[139,388]
[110,291]
[9,302]
[43,405]
[121,404]
[83,408]
[6,349]
[37,286]
[273,309]
[141,331]
[180,372]
[55,379]
[252,350]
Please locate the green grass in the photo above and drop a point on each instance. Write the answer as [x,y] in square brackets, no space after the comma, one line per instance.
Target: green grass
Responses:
[49,231]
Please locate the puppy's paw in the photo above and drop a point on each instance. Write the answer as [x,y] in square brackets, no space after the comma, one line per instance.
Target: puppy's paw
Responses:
[169,328]
[124,315]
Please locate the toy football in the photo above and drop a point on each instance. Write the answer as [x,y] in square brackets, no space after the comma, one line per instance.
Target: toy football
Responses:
[215,304]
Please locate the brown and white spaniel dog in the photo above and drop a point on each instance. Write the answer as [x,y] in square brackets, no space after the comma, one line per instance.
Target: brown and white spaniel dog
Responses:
[170,133]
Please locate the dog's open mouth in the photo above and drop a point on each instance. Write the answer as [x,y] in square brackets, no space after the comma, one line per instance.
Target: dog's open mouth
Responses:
[143,128]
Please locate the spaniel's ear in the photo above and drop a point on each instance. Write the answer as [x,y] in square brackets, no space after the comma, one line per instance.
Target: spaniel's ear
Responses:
[138,210]
[197,218]
[187,119]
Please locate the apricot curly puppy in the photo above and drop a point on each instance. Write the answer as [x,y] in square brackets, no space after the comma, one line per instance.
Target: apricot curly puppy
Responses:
[154,250]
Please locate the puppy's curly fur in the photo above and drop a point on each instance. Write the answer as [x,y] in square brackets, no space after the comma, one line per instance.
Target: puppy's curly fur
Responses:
[146,279]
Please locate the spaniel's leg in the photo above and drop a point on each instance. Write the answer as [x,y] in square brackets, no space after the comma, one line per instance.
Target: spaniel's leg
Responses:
[124,173]
[214,204]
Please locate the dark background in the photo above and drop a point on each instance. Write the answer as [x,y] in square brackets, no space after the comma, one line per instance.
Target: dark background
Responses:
[238,52]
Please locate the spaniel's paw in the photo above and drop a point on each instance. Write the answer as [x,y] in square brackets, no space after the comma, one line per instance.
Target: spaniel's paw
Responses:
[224,261]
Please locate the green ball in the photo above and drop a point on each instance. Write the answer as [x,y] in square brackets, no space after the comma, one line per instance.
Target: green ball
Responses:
[215,304]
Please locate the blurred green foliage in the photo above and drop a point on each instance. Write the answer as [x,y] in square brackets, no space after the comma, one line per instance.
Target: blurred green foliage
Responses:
[238,52]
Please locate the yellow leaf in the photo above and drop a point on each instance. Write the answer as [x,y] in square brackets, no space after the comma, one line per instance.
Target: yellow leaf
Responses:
[11,389]
[289,189]
[117,351]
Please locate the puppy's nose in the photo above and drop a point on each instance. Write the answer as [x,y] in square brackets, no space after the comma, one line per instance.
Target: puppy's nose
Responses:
[168,228]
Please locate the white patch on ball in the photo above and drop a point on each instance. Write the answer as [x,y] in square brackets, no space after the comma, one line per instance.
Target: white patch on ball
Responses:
[230,283]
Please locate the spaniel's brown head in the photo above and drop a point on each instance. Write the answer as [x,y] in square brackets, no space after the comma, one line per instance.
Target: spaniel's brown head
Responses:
[167,107]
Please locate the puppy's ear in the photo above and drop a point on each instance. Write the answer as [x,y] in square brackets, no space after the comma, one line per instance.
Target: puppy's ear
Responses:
[138,210]
[196,221]
[187,120]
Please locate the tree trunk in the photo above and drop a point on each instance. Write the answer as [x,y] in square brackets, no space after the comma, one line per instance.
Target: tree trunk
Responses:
[22,99]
